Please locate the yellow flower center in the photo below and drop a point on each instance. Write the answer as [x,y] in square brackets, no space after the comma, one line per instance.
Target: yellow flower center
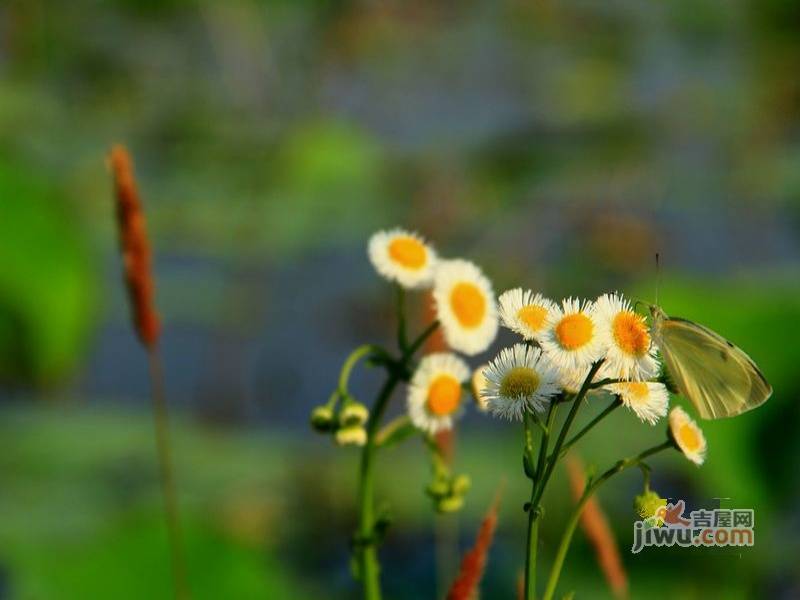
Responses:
[408,252]
[574,331]
[468,303]
[519,382]
[638,389]
[444,395]
[533,316]
[688,437]
[630,333]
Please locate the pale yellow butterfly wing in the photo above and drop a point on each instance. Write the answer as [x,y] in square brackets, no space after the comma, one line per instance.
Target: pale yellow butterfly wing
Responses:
[717,376]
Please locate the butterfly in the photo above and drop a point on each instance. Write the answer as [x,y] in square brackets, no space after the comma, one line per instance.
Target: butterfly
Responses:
[713,373]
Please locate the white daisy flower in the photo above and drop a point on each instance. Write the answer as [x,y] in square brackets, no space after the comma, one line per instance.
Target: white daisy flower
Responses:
[465,306]
[478,384]
[524,313]
[687,435]
[647,399]
[434,394]
[572,339]
[402,256]
[631,353]
[520,378]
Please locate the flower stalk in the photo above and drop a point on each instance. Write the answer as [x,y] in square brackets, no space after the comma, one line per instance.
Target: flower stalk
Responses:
[365,541]
[138,273]
[533,507]
[167,475]
[591,487]
[615,404]
[544,470]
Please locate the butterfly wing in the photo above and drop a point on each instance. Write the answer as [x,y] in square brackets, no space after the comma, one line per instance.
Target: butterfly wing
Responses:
[716,375]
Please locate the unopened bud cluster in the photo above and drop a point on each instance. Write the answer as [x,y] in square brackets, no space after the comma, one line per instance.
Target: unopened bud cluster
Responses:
[448,492]
[346,424]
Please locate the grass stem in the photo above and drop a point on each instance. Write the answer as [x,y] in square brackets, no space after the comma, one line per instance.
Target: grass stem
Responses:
[166,475]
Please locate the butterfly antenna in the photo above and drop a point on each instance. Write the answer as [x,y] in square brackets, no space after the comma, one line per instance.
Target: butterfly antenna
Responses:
[658,275]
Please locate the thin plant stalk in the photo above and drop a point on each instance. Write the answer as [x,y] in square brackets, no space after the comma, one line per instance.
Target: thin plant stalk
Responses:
[402,341]
[365,541]
[544,470]
[533,523]
[362,351]
[576,404]
[534,511]
[140,283]
[445,548]
[591,488]
[166,474]
[369,569]
[615,404]
[531,554]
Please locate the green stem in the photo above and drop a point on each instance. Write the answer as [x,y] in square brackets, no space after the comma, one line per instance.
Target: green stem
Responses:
[402,341]
[530,558]
[167,477]
[535,420]
[351,361]
[438,461]
[543,472]
[645,476]
[551,417]
[395,431]
[591,488]
[607,411]
[532,540]
[366,543]
[604,382]
[421,338]
[534,510]
[576,403]
[527,418]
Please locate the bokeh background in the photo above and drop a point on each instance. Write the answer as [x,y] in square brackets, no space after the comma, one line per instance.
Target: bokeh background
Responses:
[557,144]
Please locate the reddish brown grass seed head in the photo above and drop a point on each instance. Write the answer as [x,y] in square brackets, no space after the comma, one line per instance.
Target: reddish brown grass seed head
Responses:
[135,248]
[466,585]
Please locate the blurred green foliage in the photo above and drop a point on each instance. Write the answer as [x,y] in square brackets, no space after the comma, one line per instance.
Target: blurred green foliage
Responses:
[266,515]
[83,512]
[324,165]
[47,281]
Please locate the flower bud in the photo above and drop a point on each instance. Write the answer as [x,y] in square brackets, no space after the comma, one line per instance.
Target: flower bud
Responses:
[530,470]
[647,503]
[322,418]
[353,414]
[351,436]
[461,484]
[450,504]
[438,488]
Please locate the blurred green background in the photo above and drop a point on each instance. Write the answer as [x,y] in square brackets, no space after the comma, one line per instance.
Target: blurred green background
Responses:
[557,144]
